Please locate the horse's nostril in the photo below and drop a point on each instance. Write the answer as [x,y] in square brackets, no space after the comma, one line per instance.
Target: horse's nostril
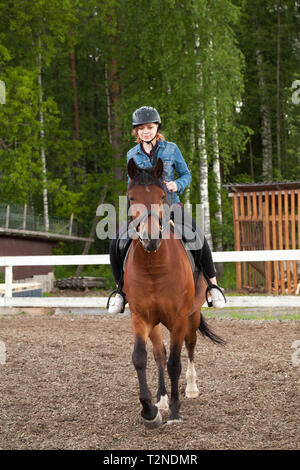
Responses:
[151,246]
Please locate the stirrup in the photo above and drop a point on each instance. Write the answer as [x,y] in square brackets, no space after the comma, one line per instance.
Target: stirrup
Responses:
[117,291]
[213,286]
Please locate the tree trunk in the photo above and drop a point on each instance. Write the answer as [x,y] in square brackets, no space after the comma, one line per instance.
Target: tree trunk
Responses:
[42,137]
[96,113]
[114,94]
[217,174]
[278,130]
[188,205]
[216,154]
[115,120]
[203,164]
[108,105]
[266,133]
[204,178]
[251,159]
[74,87]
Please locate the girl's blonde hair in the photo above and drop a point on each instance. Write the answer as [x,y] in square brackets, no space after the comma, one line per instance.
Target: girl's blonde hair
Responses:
[135,134]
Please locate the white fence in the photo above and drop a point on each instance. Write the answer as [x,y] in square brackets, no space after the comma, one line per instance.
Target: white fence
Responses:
[99,302]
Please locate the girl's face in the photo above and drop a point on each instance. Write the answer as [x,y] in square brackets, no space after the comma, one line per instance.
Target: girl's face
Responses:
[147,132]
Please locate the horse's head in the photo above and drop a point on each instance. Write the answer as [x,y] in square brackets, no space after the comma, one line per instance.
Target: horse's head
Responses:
[147,196]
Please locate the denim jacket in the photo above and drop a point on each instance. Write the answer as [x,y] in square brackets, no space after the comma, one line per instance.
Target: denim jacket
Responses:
[172,160]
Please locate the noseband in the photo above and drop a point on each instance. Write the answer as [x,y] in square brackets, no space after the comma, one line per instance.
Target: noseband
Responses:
[134,224]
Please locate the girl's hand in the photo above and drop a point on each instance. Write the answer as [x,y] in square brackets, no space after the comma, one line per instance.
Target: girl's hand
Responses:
[171,185]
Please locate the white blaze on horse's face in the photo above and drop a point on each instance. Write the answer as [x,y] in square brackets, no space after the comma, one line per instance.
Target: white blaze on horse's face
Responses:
[150,230]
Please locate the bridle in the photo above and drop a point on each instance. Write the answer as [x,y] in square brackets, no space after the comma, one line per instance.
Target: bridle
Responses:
[135,223]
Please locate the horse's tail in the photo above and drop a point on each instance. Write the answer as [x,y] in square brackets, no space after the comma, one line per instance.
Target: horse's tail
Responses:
[206,331]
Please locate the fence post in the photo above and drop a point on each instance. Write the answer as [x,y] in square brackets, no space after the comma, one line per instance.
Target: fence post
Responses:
[8,281]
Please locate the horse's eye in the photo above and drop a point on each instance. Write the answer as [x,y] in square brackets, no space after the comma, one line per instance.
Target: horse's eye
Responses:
[131,199]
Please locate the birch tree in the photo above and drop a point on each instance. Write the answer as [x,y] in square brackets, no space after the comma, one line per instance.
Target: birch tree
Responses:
[42,137]
[217,175]
[266,129]
[278,62]
[202,152]
[215,149]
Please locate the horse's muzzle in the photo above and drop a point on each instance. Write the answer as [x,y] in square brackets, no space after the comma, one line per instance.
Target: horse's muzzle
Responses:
[151,246]
[151,243]
[150,230]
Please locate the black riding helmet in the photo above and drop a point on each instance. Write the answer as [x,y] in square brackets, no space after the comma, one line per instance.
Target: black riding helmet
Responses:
[145,115]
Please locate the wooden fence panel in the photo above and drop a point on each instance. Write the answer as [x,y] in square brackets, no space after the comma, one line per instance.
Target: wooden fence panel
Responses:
[267,243]
[268,220]
[287,239]
[274,241]
[293,238]
[237,239]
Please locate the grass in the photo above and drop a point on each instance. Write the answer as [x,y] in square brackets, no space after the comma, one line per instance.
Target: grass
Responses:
[253,313]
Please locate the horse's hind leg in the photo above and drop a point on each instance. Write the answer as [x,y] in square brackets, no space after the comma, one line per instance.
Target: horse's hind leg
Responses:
[191,390]
[150,414]
[159,352]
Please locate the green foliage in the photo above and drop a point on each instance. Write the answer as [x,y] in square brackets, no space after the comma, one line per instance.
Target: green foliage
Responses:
[271,28]
[228,280]
[127,55]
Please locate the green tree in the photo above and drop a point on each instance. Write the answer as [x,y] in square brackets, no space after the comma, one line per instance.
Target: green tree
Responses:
[268,37]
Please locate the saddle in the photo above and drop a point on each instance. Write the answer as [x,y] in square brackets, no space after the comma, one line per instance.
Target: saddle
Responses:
[189,237]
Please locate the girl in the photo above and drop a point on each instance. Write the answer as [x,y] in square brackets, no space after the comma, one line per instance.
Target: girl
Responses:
[151,145]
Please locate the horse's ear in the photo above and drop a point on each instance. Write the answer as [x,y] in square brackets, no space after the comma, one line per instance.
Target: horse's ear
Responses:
[132,169]
[159,168]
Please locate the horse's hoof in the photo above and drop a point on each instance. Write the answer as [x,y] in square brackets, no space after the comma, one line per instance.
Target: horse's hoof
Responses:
[174,421]
[192,393]
[153,423]
[163,403]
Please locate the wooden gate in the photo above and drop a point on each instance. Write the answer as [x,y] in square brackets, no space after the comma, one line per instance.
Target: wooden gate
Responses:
[267,216]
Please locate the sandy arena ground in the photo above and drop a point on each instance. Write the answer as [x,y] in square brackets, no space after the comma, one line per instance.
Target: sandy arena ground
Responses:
[68,382]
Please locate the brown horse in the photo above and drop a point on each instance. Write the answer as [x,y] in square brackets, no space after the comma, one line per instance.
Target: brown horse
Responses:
[160,289]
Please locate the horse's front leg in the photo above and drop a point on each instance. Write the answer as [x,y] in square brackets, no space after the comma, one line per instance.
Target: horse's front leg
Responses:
[160,356]
[150,414]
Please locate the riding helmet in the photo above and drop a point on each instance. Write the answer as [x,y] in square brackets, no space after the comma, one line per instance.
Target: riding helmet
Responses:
[145,115]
